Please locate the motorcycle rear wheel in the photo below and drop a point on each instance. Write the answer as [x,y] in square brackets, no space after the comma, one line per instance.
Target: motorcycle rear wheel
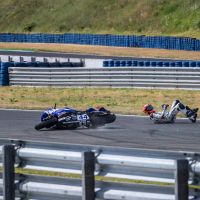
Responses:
[100,120]
[47,123]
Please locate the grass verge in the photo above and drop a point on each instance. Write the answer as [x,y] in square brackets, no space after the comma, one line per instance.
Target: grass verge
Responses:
[103,50]
[118,100]
[155,17]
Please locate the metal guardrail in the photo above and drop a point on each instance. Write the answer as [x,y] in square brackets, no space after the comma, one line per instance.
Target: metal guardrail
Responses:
[119,77]
[125,163]
[56,188]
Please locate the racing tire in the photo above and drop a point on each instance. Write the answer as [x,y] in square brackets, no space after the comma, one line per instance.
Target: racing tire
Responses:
[47,123]
[72,126]
[99,120]
[109,118]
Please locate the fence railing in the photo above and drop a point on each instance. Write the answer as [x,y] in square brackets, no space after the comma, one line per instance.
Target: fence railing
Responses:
[180,168]
[119,77]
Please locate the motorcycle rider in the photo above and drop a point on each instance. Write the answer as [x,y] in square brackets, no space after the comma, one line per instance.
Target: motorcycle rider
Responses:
[170,116]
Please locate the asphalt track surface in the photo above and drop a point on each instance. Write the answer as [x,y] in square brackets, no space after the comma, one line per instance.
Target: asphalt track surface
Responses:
[81,56]
[126,131]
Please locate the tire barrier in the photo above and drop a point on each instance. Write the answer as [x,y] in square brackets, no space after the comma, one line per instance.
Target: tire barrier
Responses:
[165,64]
[152,64]
[122,63]
[128,63]
[111,63]
[66,64]
[185,64]
[4,80]
[198,64]
[135,63]
[192,64]
[105,63]
[159,64]
[116,63]
[4,77]
[172,64]
[141,63]
[19,64]
[42,64]
[31,64]
[178,64]
[159,42]
[146,63]
[77,64]
[54,64]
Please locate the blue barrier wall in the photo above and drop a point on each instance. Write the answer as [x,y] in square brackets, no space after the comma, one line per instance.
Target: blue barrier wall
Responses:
[161,42]
[135,63]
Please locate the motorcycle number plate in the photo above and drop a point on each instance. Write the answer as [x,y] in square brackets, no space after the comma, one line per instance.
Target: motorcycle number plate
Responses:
[82,117]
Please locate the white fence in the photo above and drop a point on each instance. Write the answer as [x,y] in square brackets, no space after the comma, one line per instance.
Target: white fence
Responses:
[133,164]
[119,77]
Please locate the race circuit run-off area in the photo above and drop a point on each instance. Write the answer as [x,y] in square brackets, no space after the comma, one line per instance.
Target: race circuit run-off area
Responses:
[126,131]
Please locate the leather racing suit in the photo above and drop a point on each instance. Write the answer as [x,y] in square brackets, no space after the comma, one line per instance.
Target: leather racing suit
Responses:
[170,116]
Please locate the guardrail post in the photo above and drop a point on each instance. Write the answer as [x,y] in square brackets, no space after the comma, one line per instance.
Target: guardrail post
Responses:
[8,172]
[9,59]
[21,59]
[181,175]
[88,182]
[33,59]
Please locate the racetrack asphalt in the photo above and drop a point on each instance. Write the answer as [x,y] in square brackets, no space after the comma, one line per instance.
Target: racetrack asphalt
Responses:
[126,131]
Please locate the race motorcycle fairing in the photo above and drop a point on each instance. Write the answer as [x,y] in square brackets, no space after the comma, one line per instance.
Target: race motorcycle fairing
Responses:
[69,118]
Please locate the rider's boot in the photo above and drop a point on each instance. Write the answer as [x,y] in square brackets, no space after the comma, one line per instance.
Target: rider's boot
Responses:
[192,114]
[195,110]
[193,118]
[164,106]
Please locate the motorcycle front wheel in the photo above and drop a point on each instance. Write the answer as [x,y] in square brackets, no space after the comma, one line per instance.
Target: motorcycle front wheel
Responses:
[47,123]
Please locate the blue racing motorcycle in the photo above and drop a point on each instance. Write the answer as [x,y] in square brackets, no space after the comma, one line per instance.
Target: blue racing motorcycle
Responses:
[69,118]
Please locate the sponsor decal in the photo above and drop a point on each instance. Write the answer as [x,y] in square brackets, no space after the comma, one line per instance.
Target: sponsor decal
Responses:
[65,118]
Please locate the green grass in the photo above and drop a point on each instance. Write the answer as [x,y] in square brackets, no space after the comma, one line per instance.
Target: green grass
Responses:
[154,17]
[17,49]
[118,100]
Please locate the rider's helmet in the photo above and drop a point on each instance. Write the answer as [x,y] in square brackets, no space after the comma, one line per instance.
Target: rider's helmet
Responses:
[148,109]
